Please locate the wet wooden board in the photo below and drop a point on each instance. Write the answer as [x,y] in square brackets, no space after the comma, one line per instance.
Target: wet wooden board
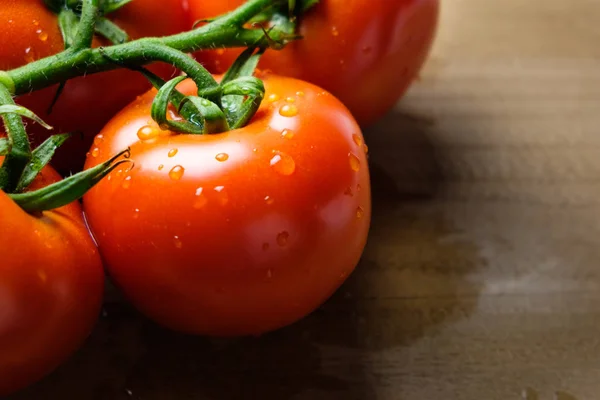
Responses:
[481,279]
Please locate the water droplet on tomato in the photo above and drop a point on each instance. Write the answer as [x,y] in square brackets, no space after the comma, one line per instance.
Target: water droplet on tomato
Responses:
[265,246]
[269,200]
[222,157]
[273,97]
[300,94]
[269,274]
[358,188]
[29,55]
[95,151]
[255,150]
[360,212]
[357,139]
[288,110]
[176,173]
[172,152]
[36,22]
[147,133]
[127,182]
[290,99]
[99,139]
[282,238]
[222,195]
[287,133]
[136,213]
[348,191]
[177,242]
[283,164]
[43,36]
[200,200]
[334,31]
[354,162]
[160,167]
[366,148]
[220,51]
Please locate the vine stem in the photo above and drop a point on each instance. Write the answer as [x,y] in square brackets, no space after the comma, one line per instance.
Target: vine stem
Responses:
[86,26]
[226,31]
[20,154]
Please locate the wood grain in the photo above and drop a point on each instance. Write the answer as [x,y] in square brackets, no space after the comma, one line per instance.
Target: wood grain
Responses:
[482,274]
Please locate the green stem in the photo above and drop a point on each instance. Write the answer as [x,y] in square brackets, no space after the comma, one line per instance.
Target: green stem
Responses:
[226,31]
[20,154]
[86,26]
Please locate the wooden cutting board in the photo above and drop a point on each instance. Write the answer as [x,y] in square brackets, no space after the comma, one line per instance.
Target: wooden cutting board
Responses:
[481,280]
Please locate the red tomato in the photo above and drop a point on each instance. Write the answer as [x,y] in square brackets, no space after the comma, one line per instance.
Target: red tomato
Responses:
[29,32]
[51,288]
[364,52]
[234,233]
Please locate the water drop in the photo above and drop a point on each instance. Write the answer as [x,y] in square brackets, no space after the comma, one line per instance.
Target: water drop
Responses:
[136,213]
[255,150]
[354,162]
[36,22]
[269,274]
[29,56]
[176,173]
[222,157]
[288,110]
[95,151]
[282,238]
[223,196]
[357,139]
[220,51]
[265,246]
[358,188]
[348,191]
[273,97]
[269,200]
[147,133]
[300,94]
[287,133]
[172,152]
[366,148]
[178,243]
[127,182]
[334,31]
[290,99]
[283,164]
[98,140]
[160,167]
[43,36]
[360,212]
[200,200]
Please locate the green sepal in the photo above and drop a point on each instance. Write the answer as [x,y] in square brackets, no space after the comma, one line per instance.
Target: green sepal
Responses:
[68,22]
[111,31]
[109,6]
[4,146]
[23,112]
[40,157]
[69,189]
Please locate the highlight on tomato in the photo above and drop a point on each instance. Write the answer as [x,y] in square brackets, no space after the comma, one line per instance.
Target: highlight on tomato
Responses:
[233,233]
[367,53]
[30,31]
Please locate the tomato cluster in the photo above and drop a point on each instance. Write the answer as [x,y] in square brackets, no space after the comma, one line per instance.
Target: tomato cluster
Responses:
[227,234]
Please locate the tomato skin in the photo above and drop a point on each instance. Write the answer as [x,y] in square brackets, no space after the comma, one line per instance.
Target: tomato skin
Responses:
[51,288]
[29,32]
[235,245]
[364,52]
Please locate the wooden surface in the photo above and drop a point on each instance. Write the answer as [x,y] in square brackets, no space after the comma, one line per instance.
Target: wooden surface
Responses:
[481,279]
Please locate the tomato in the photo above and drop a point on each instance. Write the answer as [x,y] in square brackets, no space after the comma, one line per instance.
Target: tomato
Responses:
[29,32]
[235,233]
[51,288]
[364,52]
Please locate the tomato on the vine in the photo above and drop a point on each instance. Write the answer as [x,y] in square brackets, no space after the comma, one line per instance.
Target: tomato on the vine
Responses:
[29,32]
[364,52]
[51,288]
[240,232]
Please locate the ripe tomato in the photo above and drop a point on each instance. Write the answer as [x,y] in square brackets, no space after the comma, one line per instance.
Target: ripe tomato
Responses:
[364,52]
[29,31]
[51,288]
[240,232]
